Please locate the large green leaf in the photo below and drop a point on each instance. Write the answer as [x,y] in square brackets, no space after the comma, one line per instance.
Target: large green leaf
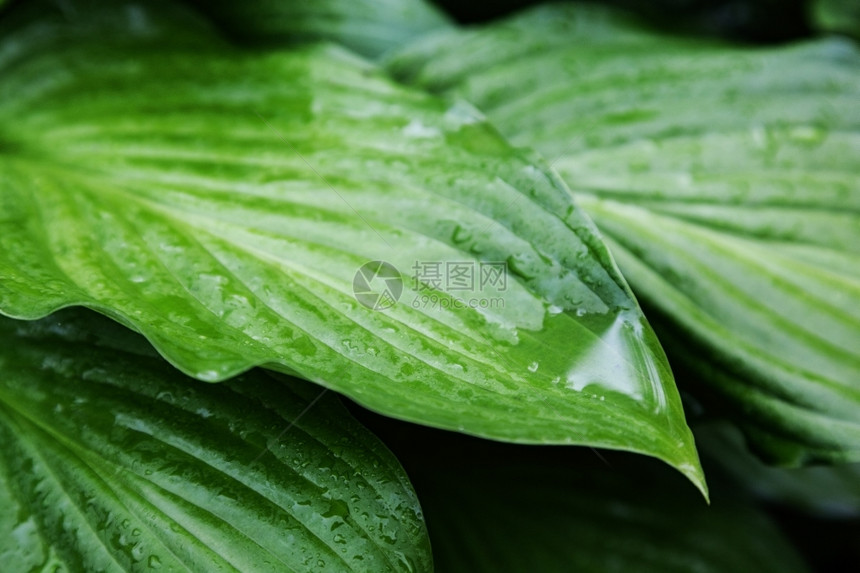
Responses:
[497,519]
[370,27]
[727,184]
[112,460]
[221,202]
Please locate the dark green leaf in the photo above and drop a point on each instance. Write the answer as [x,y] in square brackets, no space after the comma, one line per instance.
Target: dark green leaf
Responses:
[111,460]
[221,202]
[727,185]
[370,27]
[498,519]
[823,491]
[839,16]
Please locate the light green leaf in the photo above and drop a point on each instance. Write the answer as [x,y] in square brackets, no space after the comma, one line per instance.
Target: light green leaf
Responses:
[370,27]
[727,185]
[111,460]
[499,519]
[222,203]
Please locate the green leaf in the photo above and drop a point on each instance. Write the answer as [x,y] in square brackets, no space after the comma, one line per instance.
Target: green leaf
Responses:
[111,460]
[823,491]
[837,16]
[725,181]
[370,27]
[498,519]
[223,202]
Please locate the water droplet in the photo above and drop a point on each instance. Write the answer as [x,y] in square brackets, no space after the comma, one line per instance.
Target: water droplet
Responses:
[416,129]
[522,266]
[337,508]
[808,134]
[164,396]
[137,552]
[461,235]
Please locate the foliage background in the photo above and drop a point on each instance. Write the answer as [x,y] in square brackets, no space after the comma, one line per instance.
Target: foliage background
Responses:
[821,521]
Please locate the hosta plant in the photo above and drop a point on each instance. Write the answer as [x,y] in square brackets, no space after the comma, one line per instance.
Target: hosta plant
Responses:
[260,212]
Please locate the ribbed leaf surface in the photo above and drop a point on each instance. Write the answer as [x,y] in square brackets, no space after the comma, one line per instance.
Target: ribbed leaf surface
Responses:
[224,203]
[111,460]
[727,185]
